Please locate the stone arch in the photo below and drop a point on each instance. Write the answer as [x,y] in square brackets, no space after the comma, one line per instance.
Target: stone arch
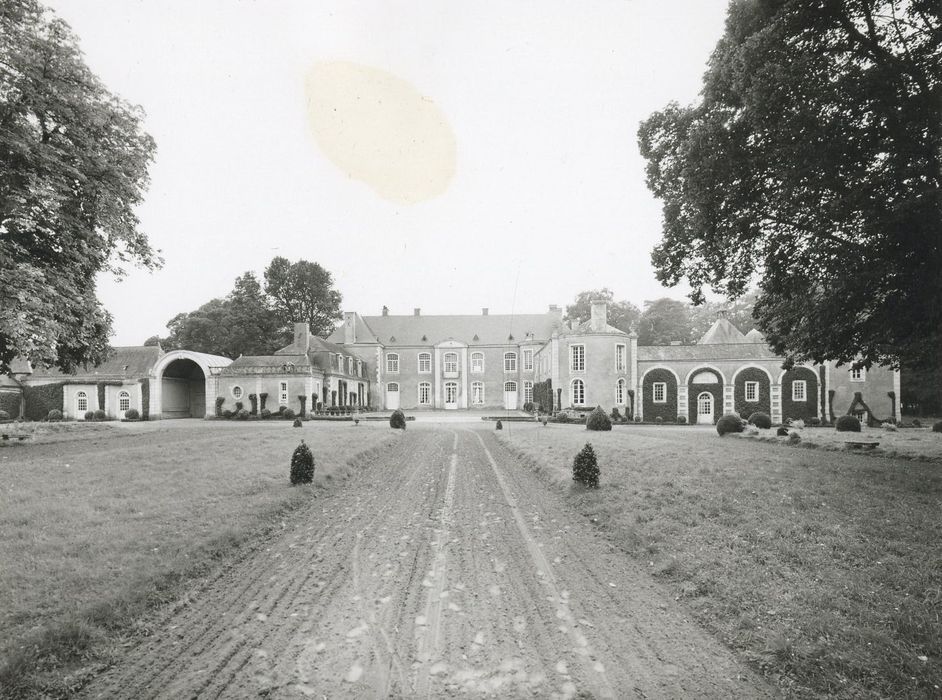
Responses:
[759,375]
[184,384]
[702,368]
[694,389]
[809,408]
[665,410]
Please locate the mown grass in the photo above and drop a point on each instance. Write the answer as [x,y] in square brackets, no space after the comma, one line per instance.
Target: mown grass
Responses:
[97,530]
[823,569]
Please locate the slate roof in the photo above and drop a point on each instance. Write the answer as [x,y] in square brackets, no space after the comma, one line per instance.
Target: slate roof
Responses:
[585,328]
[474,329]
[754,336]
[729,351]
[124,362]
[722,332]
[317,354]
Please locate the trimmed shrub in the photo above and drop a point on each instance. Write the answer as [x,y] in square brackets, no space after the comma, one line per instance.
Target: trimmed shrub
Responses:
[288,414]
[528,407]
[658,419]
[253,399]
[585,467]
[794,438]
[917,423]
[761,420]
[100,415]
[682,420]
[261,400]
[937,427]
[814,421]
[782,431]
[239,406]
[282,409]
[597,420]
[54,415]
[41,399]
[132,414]
[4,415]
[499,426]
[227,413]
[220,400]
[562,417]
[297,423]
[637,419]
[242,414]
[730,423]
[544,422]
[265,413]
[847,424]
[616,416]
[89,415]
[302,465]
[397,420]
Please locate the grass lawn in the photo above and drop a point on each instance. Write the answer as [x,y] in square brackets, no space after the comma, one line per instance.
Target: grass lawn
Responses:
[100,523]
[823,568]
[907,443]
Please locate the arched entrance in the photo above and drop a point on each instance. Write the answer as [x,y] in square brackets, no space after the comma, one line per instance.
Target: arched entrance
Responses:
[705,408]
[184,384]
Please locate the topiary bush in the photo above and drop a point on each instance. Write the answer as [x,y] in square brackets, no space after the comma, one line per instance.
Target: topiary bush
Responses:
[598,420]
[220,400]
[397,420]
[585,467]
[132,414]
[562,417]
[242,414]
[265,413]
[761,420]
[239,406]
[54,415]
[682,420]
[847,424]
[814,421]
[297,423]
[782,431]
[730,423]
[227,413]
[499,426]
[937,427]
[100,415]
[89,415]
[616,416]
[658,419]
[917,423]
[288,414]
[4,415]
[302,465]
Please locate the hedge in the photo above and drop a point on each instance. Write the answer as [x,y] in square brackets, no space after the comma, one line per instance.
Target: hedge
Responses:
[10,402]
[43,398]
[145,399]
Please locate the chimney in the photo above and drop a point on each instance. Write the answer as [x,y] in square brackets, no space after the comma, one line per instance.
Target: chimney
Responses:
[302,336]
[599,315]
[349,327]
[484,311]
[385,311]
[416,311]
[556,311]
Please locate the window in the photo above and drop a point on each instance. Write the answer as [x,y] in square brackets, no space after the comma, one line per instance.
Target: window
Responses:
[527,360]
[237,392]
[450,362]
[659,392]
[392,387]
[477,361]
[578,391]
[392,362]
[425,362]
[425,394]
[510,362]
[752,392]
[283,393]
[477,393]
[620,391]
[359,368]
[619,358]
[528,392]
[799,390]
[577,358]
[858,375]
[510,387]
[81,402]
[124,401]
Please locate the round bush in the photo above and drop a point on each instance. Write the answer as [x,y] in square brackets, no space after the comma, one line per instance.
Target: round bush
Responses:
[937,427]
[847,424]
[242,415]
[917,423]
[4,415]
[397,420]
[54,415]
[637,419]
[266,413]
[562,417]
[499,426]
[598,420]
[302,465]
[682,420]
[297,423]
[227,413]
[100,415]
[89,415]
[730,423]
[761,420]
[616,416]
[288,414]
[814,421]
[658,419]
[585,467]
[132,414]
[282,409]
[782,431]
[528,407]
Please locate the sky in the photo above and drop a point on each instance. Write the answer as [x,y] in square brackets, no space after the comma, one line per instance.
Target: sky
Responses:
[442,155]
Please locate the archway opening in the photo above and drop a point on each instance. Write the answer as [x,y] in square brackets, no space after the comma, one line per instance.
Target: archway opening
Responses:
[183,390]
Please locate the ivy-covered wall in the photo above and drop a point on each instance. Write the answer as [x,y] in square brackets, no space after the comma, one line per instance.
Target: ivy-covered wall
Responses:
[41,399]
[716,389]
[145,399]
[764,404]
[10,402]
[666,411]
[799,409]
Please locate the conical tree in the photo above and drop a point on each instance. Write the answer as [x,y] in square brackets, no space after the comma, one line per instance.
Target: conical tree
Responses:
[302,465]
[585,468]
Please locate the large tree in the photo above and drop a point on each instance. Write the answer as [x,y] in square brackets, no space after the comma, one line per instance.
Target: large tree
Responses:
[664,321]
[303,291]
[623,315]
[73,167]
[812,163]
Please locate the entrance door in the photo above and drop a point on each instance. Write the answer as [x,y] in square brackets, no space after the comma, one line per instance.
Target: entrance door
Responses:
[510,396]
[705,408]
[451,395]
[392,396]
[124,404]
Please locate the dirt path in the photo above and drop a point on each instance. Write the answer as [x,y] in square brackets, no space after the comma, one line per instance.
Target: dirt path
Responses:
[444,570]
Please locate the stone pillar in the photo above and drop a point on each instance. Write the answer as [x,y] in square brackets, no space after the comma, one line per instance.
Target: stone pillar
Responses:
[729,403]
[775,401]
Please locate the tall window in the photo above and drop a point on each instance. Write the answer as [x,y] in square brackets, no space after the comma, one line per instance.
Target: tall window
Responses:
[81,402]
[858,375]
[283,393]
[425,362]
[510,362]
[477,393]
[619,358]
[124,401]
[527,360]
[237,392]
[510,387]
[392,362]
[477,361]
[752,392]
[451,362]
[620,391]
[578,392]
[659,391]
[528,392]
[799,390]
[577,358]
[425,394]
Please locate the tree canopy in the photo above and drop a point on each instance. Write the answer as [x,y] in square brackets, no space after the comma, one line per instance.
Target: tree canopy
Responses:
[812,163]
[665,321]
[623,315]
[73,167]
[303,291]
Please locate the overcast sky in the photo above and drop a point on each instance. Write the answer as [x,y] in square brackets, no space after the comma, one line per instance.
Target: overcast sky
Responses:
[486,156]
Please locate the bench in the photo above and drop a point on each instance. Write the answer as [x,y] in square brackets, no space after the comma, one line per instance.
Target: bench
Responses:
[860,444]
